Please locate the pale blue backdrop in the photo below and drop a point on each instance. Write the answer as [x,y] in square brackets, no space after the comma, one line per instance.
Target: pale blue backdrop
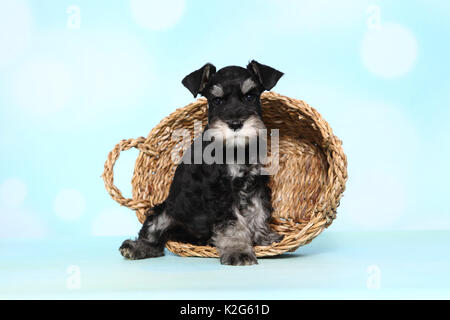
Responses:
[77,76]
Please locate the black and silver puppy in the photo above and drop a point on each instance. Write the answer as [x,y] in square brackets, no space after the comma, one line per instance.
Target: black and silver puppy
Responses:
[226,203]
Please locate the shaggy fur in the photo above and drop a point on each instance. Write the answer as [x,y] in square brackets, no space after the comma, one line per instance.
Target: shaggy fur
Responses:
[225,203]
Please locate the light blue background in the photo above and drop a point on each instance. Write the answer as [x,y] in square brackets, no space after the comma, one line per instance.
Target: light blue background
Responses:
[376,70]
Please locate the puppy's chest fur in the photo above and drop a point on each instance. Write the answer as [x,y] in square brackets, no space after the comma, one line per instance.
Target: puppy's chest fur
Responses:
[246,184]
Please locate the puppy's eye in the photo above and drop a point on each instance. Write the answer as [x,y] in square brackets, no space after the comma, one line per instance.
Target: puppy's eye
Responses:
[250,97]
[218,101]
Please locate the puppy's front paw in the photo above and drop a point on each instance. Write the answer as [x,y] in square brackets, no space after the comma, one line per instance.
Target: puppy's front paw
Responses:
[238,258]
[128,249]
[134,250]
[269,239]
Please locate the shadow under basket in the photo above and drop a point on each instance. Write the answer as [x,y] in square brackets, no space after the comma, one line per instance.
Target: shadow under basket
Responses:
[306,186]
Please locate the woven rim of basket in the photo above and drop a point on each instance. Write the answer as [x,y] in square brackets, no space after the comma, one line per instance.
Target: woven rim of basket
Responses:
[296,232]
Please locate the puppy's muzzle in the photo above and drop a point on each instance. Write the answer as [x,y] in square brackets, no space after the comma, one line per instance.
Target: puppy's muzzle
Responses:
[234,124]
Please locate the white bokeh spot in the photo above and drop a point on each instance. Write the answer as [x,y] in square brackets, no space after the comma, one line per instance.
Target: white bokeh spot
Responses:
[12,192]
[15,29]
[42,86]
[115,222]
[155,14]
[390,51]
[69,204]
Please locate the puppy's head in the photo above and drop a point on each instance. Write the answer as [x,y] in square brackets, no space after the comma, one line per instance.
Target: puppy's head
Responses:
[233,94]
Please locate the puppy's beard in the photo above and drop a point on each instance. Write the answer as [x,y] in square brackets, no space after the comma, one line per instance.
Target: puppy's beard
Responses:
[249,131]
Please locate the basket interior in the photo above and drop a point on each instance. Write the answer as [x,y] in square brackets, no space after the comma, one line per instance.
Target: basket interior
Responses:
[297,186]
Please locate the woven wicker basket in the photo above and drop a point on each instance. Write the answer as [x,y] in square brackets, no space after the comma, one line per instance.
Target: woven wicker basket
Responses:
[306,189]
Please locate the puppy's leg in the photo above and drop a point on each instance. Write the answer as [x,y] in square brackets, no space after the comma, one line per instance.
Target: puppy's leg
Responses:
[264,236]
[152,238]
[234,242]
[258,215]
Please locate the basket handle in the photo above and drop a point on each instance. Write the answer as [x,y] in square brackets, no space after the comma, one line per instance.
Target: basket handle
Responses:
[108,173]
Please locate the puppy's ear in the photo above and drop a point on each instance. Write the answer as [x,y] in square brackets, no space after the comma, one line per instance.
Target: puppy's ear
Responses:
[268,76]
[197,80]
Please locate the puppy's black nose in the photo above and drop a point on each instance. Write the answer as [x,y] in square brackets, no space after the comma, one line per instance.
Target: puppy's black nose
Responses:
[234,124]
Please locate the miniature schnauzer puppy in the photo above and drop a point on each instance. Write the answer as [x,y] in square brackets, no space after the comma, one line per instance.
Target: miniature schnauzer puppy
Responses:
[226,203]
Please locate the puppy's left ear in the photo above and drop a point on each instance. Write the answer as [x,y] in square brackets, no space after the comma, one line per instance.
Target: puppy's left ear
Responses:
[268,76]
[197,80]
